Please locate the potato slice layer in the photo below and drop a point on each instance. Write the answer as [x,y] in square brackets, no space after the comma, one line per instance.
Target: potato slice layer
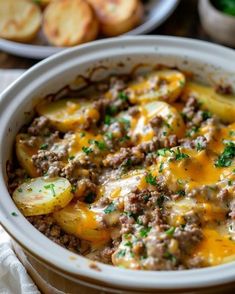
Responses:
[24,153]
[221,105]
[20,20]
[164,85]
[42,196]
[69,114]
[80,220]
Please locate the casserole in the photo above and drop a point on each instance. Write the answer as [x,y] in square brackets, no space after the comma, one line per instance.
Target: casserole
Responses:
[209,63]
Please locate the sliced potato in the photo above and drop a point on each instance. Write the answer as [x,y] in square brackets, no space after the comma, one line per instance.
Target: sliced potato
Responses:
[69,22]
[221,105]
[19,20]
[80,220]
[142,131]
[164,85]
[119,16]
[69,114]
[115,189]
[42,196]
[24,153]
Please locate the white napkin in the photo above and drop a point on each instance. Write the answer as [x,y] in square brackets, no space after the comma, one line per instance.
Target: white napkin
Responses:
[13,276]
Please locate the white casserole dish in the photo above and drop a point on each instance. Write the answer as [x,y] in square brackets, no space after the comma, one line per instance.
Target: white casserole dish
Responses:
[210,64]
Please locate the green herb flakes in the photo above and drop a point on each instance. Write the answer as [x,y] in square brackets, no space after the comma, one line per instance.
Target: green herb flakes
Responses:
[170,231]
[123,96]
[52,188]
[44,146]
[110,208]
[226,157]
[150,179]
[87,150]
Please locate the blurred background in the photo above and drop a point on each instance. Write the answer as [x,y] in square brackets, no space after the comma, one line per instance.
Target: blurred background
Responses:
[183,22]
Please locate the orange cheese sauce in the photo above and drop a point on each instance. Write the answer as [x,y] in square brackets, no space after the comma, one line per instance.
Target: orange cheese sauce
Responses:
[215,248]
[198,170]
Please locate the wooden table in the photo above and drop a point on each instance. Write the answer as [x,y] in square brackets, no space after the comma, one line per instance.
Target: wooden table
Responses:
[184,22]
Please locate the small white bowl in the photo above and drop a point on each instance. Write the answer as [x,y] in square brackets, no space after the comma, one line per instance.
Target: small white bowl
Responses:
[210,63]
[218,25]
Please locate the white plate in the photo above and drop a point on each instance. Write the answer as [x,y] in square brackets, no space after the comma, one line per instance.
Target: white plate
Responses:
[157,11]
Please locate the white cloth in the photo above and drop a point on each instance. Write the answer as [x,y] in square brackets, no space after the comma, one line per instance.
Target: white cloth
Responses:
[13,276]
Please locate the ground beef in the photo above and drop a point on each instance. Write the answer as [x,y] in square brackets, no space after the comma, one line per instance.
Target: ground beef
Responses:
[39,126]
[188,237]
[47,162]
[47,225]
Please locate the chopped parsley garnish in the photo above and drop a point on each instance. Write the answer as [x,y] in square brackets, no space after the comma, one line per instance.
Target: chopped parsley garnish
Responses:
[87,150]
[226,157]
[121,253]
[161,167]
[226,6]
[150,179]
[182,83]
[146,198]
[169,256]
[20,190]
[128,243]
[109,135]
[14,213]
[110,208]
[232,133]
[160,200]
[71,157]
[90,197]
[73,189]
[199,146]
[82,134]
[52,188]
[181,192]
[124,138]
[101,145]
[192,131]
[107,119]
[180,155]
[44,146]
[162,152]
[123,96]
[206,115]
[170,231]
[111,110]
[164,133]
[144,232]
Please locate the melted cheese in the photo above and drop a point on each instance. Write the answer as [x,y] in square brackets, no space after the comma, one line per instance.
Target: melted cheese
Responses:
[82,221]
[215,248]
